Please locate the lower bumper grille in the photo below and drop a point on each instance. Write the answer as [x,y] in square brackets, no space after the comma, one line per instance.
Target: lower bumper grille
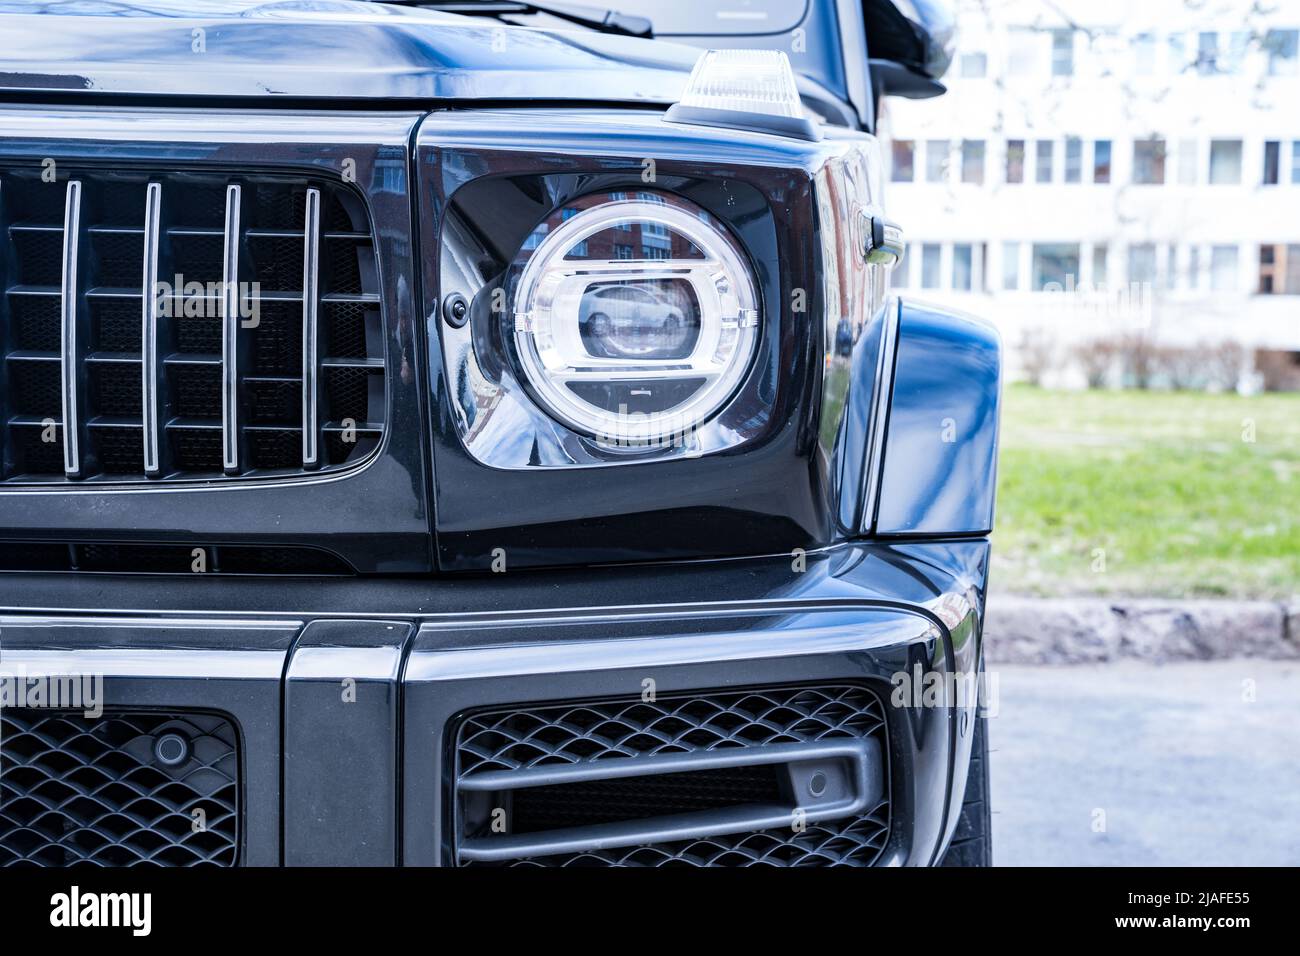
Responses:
[675,781]
[123,789]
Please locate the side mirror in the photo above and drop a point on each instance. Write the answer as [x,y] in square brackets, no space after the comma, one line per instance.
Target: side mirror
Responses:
[910,43]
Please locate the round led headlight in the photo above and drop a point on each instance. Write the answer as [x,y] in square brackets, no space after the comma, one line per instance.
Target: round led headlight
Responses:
[635,318]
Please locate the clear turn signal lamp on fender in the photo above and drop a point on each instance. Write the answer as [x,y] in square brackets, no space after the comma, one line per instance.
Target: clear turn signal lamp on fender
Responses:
[744,89]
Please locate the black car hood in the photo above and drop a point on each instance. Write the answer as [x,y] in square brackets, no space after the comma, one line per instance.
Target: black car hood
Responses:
[320,49]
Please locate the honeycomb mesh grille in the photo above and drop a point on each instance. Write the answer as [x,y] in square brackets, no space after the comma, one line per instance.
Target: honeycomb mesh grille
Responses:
[106,357]
[89,791]
[584,732]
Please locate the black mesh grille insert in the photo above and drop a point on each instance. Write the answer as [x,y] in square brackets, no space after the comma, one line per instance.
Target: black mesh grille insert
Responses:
[116,324]
[120,451]
[197,391]
[266,363]
[90,791]
[591,732]
[34,388]
[115,387]
[32,454]
[610,801]
[35,322]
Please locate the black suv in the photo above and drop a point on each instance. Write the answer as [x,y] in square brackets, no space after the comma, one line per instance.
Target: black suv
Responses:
[334,530]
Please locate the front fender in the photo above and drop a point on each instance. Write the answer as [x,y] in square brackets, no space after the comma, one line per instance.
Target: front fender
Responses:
[939,470]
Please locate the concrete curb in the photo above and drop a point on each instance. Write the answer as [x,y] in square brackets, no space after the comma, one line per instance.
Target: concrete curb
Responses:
[1027,630]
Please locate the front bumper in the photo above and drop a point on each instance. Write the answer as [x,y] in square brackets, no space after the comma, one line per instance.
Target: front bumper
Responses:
[344,693]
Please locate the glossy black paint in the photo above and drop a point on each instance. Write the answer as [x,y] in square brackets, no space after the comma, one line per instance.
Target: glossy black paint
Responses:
[318,52]
[322,787]
[857,611]
[375,517]
[767,495]
[940,467]
[341,691]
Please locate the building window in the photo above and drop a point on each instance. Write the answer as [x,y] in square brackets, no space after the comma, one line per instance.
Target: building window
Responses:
[1149,162]
[1144,54]
[537,235]
[1062,52]
[1295,162]
[1283,48]
[936,160]
[1100,253]
[1073,159]
[1238,43]
[1101,161]
[962,260]
[1279,269]
[903,152]
[1272,162]
[1194,268]
[1043,161]
[1177,53]
[1223,268]
[1171,267]
[622,251]
[1225,162]
[1011,266]
[930,258]
[1142,263]
[974,65]
[1187,162]
[1016,160]
[1024,52]
[1055,265]
[972,161]
[1207,53]
[898,276]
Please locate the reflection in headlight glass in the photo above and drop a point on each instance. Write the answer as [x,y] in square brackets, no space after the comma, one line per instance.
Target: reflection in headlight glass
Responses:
[645,319]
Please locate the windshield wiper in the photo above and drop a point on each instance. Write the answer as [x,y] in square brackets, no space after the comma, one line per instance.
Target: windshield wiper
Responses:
[593,18]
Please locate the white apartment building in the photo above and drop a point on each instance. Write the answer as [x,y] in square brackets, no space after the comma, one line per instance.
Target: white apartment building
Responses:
[1099,166]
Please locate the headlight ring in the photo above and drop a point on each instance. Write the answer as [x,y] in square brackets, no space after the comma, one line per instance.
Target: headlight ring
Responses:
[635,318]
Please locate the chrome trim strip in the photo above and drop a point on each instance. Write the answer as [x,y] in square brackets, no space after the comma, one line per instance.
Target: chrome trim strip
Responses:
[645,765]
[310,304]
[68,330]
[148,663]
[149,330]
[877,627]
[340,663]
[863,781]
[229,332]
[881,394]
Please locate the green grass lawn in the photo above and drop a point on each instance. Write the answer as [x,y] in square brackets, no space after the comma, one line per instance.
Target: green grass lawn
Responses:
[1162,482]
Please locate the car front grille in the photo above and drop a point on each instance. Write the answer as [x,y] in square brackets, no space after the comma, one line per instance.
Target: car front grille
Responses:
[105,382]
[93,791]
[530,739]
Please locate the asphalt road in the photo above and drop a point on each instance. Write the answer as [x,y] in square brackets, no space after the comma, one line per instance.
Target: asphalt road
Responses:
[1138,764]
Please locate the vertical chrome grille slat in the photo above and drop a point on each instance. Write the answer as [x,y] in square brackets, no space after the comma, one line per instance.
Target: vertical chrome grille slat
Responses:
[149,331]
[68,358]
[310,352]
[229,333]
[186,383]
